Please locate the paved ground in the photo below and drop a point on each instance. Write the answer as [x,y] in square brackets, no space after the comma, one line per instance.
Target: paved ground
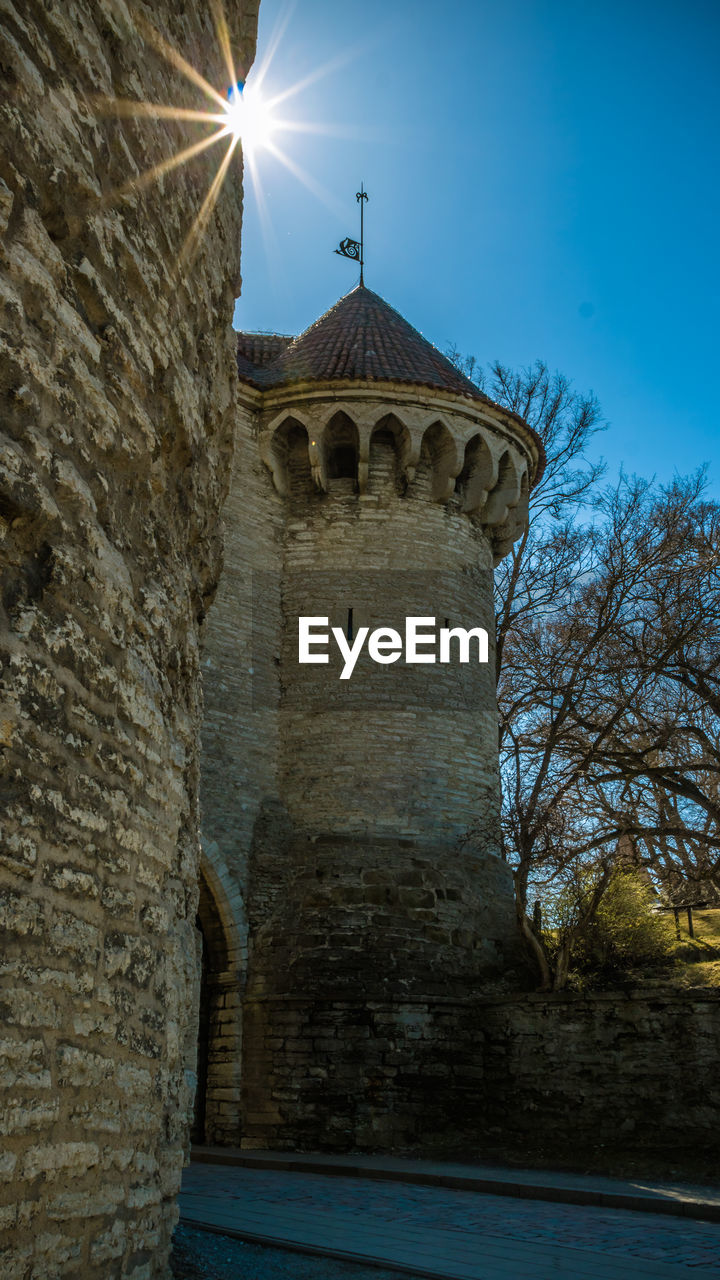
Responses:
[202,1255]
[636,1192]
[438,1231]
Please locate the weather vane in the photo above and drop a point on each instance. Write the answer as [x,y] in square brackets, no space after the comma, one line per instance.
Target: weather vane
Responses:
[353,248]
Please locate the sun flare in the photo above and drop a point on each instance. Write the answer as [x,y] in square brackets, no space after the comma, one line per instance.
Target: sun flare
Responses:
[249,118]
[243,118]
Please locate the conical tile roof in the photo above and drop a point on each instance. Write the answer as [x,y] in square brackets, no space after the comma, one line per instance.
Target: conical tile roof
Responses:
[361,337]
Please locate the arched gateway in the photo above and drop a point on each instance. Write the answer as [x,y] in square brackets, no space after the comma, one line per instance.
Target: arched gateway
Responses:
[219,939]
[357,818]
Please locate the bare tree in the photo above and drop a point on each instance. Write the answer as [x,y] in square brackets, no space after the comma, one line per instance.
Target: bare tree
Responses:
[542,568]
[661,767]
[608,668]
[533,576]
[609,726]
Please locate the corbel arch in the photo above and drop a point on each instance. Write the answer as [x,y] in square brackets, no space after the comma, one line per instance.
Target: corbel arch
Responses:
[287,453]
[439,462]
[340,448]
[478,476]
[272,425]
[504,535]
[391,433]
[521,510]
[505,493]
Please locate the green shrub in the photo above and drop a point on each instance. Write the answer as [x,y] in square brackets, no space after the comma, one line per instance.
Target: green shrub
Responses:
[625,932]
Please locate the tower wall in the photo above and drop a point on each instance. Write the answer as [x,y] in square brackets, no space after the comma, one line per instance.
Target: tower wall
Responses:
[376,900]
[395,749]
[118,384]
[390,778]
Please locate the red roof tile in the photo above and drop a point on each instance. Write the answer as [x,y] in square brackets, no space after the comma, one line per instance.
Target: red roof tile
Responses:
[256,351]
[361,337]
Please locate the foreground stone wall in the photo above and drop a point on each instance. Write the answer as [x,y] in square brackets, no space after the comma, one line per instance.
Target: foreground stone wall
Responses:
[238,769]
[559,1077]
[117,381]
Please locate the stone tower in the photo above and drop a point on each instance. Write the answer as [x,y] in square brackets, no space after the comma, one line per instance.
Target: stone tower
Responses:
[353,822]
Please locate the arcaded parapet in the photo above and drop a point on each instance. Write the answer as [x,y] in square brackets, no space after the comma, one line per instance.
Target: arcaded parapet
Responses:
[118,389]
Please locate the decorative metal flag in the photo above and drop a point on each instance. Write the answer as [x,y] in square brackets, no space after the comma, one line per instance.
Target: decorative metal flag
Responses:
[349,248]
[353,248]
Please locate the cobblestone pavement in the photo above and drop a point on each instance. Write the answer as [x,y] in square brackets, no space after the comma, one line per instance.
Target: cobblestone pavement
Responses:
[462,1235]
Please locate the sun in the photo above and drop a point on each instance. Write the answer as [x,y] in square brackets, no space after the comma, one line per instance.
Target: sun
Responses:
[242,118]
[249,117]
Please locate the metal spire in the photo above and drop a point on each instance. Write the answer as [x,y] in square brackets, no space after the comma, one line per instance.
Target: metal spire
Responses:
[353,248]
[361,196]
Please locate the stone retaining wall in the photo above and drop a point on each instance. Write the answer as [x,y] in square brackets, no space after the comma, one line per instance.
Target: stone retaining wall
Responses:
[636,1070]
[557,1075]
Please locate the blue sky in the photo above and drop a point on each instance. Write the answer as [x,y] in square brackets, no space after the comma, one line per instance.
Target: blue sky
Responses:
[543,180]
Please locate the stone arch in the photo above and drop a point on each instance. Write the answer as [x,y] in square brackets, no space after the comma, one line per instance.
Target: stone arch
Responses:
[340,449]
[477,476]
[390,453]
[216,1118]
[288,455]
[505,494]
[272,425]
[438,464]
[521,511]
[514,526]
